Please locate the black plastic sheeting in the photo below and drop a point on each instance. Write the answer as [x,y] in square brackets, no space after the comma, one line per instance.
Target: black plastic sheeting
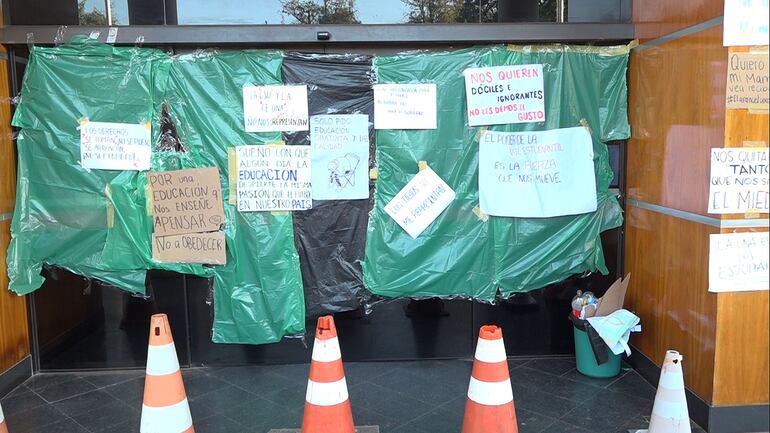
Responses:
[331,237]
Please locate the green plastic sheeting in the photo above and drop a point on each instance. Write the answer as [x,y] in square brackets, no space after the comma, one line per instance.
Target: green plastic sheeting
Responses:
[460,254]
[258,296]
[62,211]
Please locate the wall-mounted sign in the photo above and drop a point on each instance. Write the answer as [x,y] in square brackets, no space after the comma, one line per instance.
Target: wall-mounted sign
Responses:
[340,158]
[738,262]
[186,201]
[748,81]
[273,178]
[420,202]
[537,174]
[739,180]
[745,22]
[505,94]
[115,146]
[275,108]
[405,106]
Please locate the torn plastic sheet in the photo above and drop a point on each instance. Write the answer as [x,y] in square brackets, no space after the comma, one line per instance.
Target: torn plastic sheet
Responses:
[331,236]
[258,295]
[62,213]
[466,254]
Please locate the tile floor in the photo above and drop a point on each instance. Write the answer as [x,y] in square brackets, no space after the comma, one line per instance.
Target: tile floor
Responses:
[400,397]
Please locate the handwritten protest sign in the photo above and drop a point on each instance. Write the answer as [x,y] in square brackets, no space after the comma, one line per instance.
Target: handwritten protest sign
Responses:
[420,202]
[207,248]
[738,262]
[115,146]
[505,94]
[273,178]
[746,22]
[405,106]
[748,81]
[537,174]
[739,180]
[340,156]
[275,108]
[186,201]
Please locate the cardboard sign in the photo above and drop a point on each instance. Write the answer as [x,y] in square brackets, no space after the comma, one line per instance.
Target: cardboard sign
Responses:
[115,146]
[273,178]
[738,262]
[186,201]
[748,77]
[739,180]
[404,106]
[206,248]
[420,202]
[537,174]
[505,94]
[275,108]
[340,149]
[745,22]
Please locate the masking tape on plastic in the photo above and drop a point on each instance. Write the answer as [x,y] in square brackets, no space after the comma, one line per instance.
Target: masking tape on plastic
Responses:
[479,134]
[148,198]
[615,50]
[232,176]
[585,124]
[110,208]
[374,174]
[422,165]
[480,214]
[276,143]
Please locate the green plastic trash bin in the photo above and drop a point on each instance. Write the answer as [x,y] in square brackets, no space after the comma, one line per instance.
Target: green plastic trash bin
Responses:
[586,361]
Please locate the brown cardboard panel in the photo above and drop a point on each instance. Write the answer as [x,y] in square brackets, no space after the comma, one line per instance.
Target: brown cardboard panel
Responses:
[206,248]
[186,201]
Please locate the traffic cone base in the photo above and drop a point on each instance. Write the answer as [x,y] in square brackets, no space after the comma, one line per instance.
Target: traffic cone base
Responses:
[489,406]
[327,404]
[165,408]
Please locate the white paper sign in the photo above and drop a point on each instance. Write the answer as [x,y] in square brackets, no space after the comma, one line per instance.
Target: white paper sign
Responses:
[537,174]
[340,156]
[420,202]
[275,108]
[273,178]
[738,262]
[739,180]
[115,146]
[746,22]
[505,94]
[405,106]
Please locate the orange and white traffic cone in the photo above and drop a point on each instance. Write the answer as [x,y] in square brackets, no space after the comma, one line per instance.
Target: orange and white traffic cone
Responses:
[327,407]
[165,408]
[3,426]
[489,407]
[669,412]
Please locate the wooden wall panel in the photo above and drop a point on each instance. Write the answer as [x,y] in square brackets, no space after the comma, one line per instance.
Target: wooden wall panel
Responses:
[655,18]
[7,158]
[676,94]
[14,334]
[742,360]
[14,330]
[742,365]
[668,261]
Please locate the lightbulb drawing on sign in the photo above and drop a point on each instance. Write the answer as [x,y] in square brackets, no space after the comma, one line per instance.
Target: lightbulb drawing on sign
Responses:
[342,171]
